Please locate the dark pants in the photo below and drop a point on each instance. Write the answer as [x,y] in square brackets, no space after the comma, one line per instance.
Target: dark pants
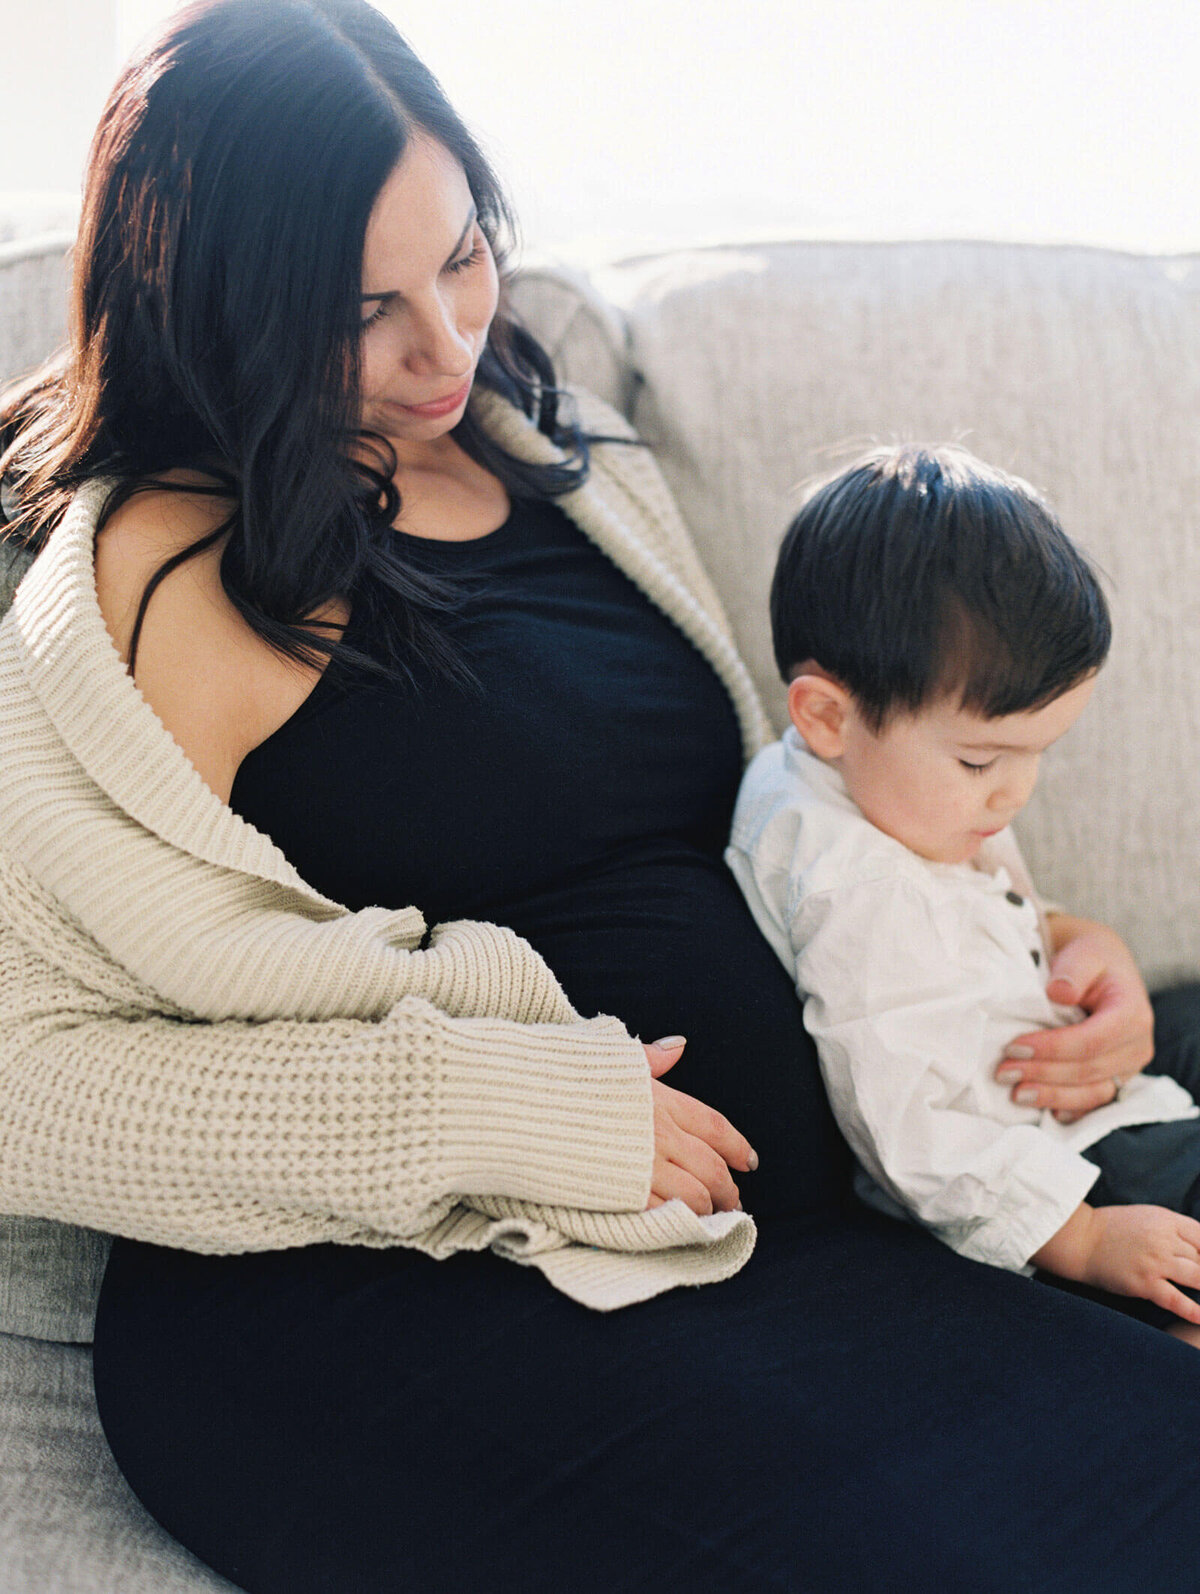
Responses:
[859,1409]
[1158,1163]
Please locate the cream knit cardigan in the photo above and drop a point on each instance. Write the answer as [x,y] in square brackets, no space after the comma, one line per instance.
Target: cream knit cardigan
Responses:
[199,1049]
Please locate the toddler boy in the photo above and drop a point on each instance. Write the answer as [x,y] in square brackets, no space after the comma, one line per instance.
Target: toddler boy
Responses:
[938,631]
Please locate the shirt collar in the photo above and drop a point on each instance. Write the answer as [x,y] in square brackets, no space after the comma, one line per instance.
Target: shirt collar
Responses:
[816,774]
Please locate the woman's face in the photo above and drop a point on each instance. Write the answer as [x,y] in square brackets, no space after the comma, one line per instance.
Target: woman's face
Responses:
[429,294]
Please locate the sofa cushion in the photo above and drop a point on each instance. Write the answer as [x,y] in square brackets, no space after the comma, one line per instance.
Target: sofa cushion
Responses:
[754,368]
[69,1523]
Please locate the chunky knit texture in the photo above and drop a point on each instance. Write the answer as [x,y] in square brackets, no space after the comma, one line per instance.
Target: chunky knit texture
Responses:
[199,1049]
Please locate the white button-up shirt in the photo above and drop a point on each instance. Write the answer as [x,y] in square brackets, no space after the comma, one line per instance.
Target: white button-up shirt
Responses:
[915,976]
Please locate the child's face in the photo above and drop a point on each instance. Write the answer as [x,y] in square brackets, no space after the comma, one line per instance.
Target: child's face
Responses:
[944,779]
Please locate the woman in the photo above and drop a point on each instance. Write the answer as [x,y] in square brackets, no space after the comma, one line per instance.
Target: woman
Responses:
[428,643]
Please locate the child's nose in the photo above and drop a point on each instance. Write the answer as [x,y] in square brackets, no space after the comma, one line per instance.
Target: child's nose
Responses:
[1014,791]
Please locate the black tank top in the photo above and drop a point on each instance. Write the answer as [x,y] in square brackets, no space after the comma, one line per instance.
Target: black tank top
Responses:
[596,733]
[580,793]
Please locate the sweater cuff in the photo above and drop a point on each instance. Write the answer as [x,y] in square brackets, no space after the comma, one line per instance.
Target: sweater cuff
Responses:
[555,1113]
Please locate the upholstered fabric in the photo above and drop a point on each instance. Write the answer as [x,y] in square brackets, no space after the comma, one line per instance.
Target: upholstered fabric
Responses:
[34,239]
[754,368]
[68,1521]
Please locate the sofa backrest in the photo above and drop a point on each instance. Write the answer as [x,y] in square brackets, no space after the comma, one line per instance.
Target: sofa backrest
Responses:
[751,369]
[35,241]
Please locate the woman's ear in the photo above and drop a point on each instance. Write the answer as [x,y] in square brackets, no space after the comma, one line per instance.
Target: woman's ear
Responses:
[817,707]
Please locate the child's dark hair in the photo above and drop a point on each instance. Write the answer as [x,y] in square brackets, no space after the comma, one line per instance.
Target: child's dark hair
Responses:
[922,573]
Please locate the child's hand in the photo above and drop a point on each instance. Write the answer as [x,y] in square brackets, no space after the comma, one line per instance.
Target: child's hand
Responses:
[1140,1251]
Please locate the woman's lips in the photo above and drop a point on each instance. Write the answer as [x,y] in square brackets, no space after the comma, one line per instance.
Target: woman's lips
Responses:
[442,406]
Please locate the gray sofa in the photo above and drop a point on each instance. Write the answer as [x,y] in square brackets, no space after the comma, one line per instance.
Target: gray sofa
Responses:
[748,369]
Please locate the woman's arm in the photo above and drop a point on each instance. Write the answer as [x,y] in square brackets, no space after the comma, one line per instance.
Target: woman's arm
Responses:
[1080,1066]
[233,1136]
[529,1101]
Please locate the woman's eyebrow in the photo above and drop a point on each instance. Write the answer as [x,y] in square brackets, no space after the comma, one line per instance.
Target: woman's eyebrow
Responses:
[462,238]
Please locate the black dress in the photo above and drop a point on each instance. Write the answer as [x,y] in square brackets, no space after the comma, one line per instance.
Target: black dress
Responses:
[858,1409]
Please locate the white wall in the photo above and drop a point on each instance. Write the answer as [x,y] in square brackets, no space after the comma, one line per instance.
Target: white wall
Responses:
[58,67]
[631,122]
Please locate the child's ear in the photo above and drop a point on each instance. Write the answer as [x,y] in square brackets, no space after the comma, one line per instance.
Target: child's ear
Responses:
[817,707]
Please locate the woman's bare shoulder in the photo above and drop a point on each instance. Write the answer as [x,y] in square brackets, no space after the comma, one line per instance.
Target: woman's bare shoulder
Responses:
[148,529]
[214,683]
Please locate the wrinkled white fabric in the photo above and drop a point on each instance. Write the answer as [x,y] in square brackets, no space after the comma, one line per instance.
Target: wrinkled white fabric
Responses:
[915,976]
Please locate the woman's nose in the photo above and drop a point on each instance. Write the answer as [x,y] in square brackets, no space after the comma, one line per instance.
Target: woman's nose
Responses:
[438,346]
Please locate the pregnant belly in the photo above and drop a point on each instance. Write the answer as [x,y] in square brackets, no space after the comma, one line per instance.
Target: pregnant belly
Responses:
[668,946]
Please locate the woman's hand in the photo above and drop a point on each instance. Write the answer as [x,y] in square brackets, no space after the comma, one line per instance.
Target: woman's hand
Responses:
[1081,1066]
[694,1145]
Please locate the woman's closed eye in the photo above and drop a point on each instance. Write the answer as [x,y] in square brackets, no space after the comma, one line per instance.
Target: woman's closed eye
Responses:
[452,268]
[977,769]
[465,262]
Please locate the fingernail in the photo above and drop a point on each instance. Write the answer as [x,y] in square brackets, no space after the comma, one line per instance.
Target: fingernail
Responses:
[1066,1117]
[752,1160]
[675,1043]
[1027,1096]
[1008,1076]
[1017,1051]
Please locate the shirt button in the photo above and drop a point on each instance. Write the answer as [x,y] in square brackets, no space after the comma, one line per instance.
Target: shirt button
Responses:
[1017,900]
[1037,958]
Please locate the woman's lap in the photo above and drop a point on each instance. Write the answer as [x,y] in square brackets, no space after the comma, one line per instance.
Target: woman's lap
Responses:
[859,1408]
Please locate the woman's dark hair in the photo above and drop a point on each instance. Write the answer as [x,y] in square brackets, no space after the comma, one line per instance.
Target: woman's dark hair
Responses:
[215,320]
[922,573]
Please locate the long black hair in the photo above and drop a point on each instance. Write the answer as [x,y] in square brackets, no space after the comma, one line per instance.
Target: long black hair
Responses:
[215,321]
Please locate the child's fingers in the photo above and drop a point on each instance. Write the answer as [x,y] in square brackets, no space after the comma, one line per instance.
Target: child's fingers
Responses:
[1184,1270]
[1188,1229]
[1173,1300]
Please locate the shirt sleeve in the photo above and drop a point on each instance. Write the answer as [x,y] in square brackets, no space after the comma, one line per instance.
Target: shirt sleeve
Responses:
[899,1021]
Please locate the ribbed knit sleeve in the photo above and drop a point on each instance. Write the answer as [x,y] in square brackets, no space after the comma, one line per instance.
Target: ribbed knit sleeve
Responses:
[232,1135]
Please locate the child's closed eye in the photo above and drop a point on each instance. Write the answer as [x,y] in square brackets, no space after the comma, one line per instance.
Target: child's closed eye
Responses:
[977,769]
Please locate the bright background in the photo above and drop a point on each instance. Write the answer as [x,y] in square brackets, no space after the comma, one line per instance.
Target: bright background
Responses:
[622,123]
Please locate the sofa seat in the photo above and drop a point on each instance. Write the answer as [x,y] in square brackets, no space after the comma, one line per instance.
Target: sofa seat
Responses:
[69,1523]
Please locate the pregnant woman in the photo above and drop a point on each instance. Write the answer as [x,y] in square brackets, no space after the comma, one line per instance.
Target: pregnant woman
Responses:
[345,622]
